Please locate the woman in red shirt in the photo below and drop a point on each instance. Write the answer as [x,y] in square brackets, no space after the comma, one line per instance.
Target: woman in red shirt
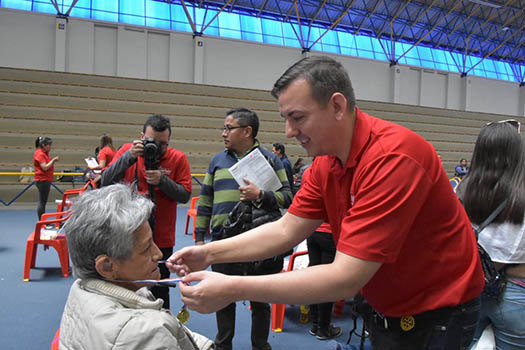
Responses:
[44,167]
[105,155]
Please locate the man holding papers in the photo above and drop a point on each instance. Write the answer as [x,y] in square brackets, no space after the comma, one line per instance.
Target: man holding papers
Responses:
[253,166]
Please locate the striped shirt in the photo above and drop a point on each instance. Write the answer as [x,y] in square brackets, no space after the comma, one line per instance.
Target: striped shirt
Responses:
[220,192]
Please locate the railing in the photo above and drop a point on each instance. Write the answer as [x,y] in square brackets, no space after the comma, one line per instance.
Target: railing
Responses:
[18,195]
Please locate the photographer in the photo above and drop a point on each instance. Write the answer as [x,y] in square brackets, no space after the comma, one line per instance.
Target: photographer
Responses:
[161,172]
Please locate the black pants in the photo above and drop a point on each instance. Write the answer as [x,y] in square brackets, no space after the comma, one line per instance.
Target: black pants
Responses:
[163,292]
[43,194]
[450,328]
[261,317]
[321,250]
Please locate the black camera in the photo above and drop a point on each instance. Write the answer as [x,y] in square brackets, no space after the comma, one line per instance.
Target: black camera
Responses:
[152,153]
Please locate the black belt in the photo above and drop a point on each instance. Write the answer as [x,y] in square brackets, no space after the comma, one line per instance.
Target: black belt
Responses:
[412,322]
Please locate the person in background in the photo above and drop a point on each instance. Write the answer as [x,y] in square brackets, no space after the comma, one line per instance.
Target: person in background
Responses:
[106,152]
[279,150]
[44,168]
[397,224]
[220,193]
[462,168]
[321,250]
[297,165]
[497,173]
[167,185]
[106,309]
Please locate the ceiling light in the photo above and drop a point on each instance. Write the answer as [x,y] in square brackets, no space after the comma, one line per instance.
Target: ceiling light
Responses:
[486,3]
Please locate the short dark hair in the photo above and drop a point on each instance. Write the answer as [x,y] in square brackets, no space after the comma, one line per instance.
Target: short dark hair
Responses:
[325,75]
[158,122]
[279,147]
[245,117]
[43,140]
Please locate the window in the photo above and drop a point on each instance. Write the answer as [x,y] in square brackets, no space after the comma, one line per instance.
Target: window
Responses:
[243,26]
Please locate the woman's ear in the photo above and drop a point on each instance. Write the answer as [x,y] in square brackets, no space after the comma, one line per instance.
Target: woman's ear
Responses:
[105,267]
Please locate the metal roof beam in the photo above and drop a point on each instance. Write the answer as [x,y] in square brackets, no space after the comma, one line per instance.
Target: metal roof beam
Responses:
[217,14]
[475,8]
[345,12]
[496,48]
[366,18]
[430,31]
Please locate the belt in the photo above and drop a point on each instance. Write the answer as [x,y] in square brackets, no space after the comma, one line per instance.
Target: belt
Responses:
[411,323]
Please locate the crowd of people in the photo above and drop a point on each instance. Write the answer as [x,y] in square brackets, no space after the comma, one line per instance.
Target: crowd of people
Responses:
[375,207]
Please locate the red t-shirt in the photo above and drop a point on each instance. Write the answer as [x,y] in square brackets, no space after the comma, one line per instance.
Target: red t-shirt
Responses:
[174,165]
[325,226]
[392,203]
[106,154]
[42,156]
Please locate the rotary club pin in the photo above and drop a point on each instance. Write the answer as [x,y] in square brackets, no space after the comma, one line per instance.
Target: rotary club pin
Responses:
[407,323]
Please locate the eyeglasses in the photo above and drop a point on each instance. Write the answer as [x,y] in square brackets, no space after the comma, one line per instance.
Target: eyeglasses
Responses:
[512,122]
[228,128]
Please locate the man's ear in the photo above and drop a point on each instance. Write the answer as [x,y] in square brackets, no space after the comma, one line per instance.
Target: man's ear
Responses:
[339,105]
[105,267]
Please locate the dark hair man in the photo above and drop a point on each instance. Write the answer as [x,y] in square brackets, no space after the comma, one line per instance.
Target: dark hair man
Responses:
[279,150]
[219,195]
[402,237]
[169,184]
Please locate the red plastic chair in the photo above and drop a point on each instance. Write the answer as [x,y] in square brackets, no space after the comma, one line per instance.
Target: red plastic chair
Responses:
[278,309]
[192,212]
[65,203]
[54,343]
[59,243]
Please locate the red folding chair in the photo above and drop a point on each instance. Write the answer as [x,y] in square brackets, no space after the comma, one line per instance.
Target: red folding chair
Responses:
[192,212]
[278,309]
[59,243]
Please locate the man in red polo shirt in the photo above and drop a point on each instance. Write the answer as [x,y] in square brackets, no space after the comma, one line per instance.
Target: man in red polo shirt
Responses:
[167,184]
[402,237]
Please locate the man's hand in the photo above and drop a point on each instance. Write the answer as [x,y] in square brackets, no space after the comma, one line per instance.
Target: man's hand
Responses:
[189,259]
[153,177]
[214,291]
[250,192]
[137,150]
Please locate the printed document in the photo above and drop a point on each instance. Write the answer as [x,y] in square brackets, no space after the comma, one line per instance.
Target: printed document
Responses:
[256,168]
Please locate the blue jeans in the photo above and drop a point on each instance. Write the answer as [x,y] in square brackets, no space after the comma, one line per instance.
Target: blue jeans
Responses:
[442,329]
[506,316]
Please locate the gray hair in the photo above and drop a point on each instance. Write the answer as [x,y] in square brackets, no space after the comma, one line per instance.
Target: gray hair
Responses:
[103,223]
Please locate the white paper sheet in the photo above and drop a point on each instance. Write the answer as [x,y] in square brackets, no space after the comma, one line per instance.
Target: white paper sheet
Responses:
[256,168]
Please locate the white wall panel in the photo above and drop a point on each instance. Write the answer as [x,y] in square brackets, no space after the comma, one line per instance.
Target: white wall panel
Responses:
[27,40]
[105,60]
[494,96]
[158,55]
[410,86]
[433,89]
[80,43]
[131,52]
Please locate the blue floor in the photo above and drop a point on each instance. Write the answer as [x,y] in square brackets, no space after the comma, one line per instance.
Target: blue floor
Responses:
[32,310]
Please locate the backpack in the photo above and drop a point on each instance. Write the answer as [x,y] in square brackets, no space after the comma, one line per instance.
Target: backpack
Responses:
[494,279]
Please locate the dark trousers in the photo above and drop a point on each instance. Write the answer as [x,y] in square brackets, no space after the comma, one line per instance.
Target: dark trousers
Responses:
[261,317]
[163,292]
[43,194]
[450,328]
[321,250]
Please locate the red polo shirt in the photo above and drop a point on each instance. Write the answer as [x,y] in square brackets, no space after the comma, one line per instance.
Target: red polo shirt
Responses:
[174,165]
[106,154]
[42,156]
[392,203]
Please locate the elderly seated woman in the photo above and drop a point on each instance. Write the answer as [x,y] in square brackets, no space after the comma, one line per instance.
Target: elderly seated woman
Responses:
[111,245]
